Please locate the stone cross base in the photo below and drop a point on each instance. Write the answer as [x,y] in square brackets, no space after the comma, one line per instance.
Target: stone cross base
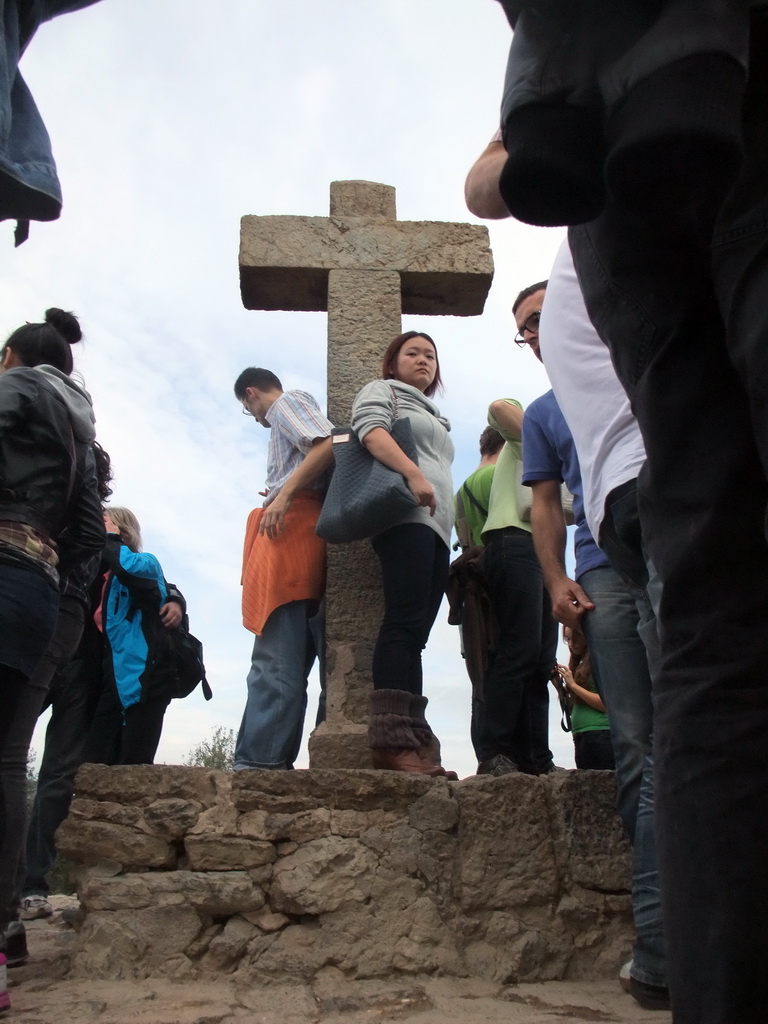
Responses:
[282,877]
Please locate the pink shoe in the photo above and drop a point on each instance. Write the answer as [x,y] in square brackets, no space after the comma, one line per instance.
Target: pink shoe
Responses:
[5,999]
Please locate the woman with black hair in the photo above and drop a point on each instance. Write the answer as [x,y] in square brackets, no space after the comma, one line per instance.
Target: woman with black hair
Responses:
[414,553]
[50,520]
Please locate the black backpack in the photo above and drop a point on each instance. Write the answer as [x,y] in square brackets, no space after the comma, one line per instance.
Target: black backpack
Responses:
[177,662]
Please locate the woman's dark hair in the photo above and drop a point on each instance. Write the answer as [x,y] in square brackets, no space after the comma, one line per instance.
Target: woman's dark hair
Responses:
[49,342]
[580,663]
[389,361]
[103,471]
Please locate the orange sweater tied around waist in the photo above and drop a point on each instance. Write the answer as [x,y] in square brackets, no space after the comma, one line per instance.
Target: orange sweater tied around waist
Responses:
[289,568]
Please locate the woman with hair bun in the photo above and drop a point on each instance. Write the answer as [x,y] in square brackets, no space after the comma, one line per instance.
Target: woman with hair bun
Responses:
[50,521]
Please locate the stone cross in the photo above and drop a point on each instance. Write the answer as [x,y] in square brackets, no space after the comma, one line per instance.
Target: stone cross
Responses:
[365,268]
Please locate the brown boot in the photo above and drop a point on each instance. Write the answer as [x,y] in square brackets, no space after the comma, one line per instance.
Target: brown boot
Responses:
[396,759]
[429,744]
[394,746]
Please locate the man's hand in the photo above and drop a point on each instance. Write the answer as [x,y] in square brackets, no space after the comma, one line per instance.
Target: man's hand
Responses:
[273,518]
[569,601]
[171,614]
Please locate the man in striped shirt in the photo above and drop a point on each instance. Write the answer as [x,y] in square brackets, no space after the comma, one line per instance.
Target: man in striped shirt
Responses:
[283,570]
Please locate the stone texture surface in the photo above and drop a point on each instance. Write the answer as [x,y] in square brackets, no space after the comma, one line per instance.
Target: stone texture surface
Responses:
[365,268]
[285,260]
[45,990]
[286,875]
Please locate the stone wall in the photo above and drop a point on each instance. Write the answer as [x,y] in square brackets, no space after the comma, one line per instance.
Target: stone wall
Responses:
[280,876]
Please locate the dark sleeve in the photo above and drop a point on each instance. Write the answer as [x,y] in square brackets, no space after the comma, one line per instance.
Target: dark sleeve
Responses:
[139,571]
[16,392]
[174,594]
[84,534]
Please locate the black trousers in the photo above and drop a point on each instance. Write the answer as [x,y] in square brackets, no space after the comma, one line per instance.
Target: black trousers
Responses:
[513,719]
[414,571]
[680,298]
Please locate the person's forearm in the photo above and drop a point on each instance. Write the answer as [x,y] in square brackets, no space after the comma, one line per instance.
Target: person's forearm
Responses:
[383,447]
[481,189]
[549,535]
[314,464]
[588,697]
[507,418]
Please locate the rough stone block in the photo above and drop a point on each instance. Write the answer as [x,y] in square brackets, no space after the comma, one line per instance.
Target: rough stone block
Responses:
[88,842]
[323,875]
[589,836]
[214,893]
[291,792]
[172,817]
[226,853]
[511,866]
[142,784]
[229,945]
[340,747]
[134,943]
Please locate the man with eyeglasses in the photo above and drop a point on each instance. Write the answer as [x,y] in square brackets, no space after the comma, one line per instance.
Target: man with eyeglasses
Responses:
[283,570]
[614,612]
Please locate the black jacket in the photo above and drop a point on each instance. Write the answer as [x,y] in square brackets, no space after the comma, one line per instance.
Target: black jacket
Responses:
[47,471]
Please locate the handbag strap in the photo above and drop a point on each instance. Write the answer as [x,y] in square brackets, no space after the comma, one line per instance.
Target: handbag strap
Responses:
[395,405]
[483,511]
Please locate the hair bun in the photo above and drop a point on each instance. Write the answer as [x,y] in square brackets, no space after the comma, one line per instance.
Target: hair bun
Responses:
[65,323]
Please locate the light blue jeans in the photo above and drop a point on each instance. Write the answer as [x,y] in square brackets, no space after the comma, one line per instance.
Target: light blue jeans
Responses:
[623,643]
[273,720]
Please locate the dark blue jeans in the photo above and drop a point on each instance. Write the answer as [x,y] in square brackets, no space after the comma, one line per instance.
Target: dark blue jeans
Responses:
[72,698]
[513,719]
[414,572]
[680,301]
[20,702]
[273,720]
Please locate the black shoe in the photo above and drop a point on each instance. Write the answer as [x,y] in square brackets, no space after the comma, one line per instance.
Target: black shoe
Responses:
[650,997]
[552,769]
[497,766]
[14,944]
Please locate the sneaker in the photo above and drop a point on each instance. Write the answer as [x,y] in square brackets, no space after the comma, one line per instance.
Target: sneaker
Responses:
[625,974]
[497,766]
[35,906]
[650,997]
[14,944]
[552,769]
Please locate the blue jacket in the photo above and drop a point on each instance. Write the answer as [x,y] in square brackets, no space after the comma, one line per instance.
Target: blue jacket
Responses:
[135,591]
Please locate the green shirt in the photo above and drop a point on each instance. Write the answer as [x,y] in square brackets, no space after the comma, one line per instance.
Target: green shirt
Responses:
[479,485]
[503,510]
[587,719]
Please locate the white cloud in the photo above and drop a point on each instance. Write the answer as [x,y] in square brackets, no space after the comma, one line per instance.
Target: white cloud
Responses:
[170,121]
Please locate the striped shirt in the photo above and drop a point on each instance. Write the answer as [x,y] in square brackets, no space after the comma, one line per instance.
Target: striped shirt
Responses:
[296,422]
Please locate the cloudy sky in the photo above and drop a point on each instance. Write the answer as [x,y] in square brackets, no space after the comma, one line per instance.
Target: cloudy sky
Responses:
[170,119]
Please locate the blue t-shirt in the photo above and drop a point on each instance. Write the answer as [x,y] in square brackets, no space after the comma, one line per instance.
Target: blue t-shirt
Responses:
[550,454]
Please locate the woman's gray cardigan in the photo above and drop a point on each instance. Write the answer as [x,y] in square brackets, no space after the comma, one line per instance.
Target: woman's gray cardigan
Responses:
[374,406]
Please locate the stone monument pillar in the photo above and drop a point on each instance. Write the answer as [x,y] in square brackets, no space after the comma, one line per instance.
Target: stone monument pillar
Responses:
[365,268]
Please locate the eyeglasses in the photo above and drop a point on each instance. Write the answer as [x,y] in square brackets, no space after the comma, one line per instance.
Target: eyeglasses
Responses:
[531,326]
[246,412]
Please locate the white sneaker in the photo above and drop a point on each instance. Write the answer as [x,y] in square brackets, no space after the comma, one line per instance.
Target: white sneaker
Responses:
[35,906]
[625,975]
